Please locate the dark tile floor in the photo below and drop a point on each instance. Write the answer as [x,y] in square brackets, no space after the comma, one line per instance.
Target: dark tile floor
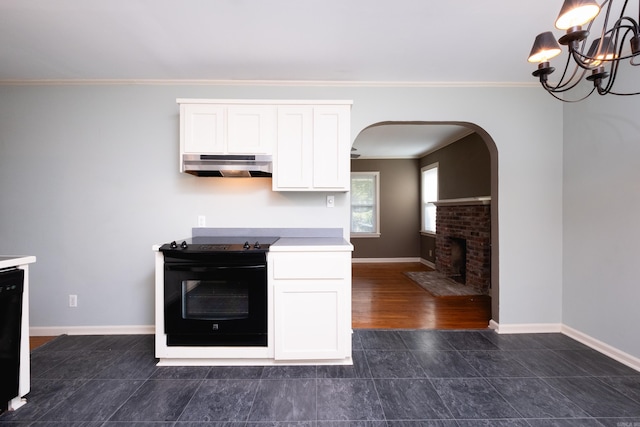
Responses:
[399,378]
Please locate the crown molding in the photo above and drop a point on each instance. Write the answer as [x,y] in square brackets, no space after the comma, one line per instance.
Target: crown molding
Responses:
[293,83]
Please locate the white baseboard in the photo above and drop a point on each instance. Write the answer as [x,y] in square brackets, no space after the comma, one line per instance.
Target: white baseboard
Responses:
[537,328]
[526,328]
[382,260]
[52,331]
[428,263]
[606,349]
[392,260]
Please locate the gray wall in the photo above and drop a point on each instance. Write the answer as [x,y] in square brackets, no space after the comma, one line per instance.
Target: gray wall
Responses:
[89,182]
[399,209]
[464,170]
[601,208]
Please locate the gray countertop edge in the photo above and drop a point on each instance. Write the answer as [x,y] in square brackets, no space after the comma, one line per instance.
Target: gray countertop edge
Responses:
[8,261]
[309,243]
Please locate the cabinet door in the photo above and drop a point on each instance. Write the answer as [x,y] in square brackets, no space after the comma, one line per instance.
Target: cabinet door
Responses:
[309,320]
[331,147]
[251,129]
[202,128]
[293,154]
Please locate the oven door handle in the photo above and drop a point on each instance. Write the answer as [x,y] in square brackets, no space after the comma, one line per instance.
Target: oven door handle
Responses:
[210,268]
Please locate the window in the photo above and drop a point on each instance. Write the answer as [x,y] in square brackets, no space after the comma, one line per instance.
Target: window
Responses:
[429,194]
[365,206]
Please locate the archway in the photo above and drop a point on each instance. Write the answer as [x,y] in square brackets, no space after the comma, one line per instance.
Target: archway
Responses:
[393,140]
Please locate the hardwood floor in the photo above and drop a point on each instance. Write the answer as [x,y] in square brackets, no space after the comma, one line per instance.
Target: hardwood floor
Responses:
[35,342]
[384,298]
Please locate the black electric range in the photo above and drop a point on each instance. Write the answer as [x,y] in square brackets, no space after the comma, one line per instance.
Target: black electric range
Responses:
[215,291]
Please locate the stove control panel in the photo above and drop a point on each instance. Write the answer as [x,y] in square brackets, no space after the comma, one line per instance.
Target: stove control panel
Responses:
[214,247]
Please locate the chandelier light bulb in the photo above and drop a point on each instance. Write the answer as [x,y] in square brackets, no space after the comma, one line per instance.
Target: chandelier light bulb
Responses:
[544,48]
[601,50]
[575,13]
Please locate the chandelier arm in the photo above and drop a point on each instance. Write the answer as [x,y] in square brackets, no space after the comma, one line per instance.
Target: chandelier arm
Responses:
[584,59]
[606,16]
[634,23]
[623,94]
[580,58]
[624,8]
[566,86]
[633,30]
[571,82]
[614,71]
[571,100]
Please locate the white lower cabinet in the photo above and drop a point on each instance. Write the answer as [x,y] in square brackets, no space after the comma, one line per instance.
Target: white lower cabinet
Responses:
[312,305]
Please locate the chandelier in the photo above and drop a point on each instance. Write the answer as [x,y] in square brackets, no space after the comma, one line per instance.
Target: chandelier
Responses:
[597,60]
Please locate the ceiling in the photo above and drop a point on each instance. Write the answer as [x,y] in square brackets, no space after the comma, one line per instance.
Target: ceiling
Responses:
[403,140]
[461,42]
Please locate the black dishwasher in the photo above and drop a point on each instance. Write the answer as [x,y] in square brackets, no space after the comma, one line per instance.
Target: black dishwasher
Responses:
[11,288]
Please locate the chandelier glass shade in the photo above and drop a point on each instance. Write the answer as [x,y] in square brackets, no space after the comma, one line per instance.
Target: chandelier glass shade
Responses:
[595,60]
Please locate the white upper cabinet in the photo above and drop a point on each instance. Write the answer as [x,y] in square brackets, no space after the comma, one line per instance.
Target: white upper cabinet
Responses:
[313,146]
[293,164]
[309,140]
[218,127]
[202,128]
[251,129]
[331,148]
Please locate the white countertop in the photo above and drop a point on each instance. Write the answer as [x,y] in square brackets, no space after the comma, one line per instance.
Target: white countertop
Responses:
[7,261]
[286,244]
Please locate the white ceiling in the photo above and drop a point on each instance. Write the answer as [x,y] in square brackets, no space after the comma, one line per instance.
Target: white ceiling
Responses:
[383,41]
[402,140]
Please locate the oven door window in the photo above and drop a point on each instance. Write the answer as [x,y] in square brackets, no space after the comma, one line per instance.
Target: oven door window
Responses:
[214,300]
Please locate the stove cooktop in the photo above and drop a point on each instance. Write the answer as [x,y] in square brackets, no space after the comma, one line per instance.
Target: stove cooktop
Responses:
[212,244]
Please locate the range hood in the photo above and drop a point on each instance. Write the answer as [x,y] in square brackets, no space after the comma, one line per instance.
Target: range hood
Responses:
[228,165]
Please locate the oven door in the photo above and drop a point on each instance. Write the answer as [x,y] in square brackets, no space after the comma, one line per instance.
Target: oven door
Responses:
[215,303]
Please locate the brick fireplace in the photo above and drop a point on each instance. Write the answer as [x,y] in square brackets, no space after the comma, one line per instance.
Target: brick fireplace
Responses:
[464,230]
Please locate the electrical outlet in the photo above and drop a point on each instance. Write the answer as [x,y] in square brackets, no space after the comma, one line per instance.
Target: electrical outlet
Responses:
[331,201]
[202,221]
[430,252]
[73,300]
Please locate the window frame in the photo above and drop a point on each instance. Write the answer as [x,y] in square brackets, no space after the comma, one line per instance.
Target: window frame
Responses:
[423,202]
[376,206]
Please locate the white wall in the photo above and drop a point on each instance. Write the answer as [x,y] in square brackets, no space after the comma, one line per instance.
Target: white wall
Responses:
[601,214]
[89,181]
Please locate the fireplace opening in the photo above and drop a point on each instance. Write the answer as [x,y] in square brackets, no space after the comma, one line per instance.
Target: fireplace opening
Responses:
[459,260]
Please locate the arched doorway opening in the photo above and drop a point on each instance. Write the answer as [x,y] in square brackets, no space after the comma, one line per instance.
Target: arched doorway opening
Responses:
[466,152]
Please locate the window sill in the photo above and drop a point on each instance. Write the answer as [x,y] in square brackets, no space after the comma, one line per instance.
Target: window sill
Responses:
[364,235]
[428,233]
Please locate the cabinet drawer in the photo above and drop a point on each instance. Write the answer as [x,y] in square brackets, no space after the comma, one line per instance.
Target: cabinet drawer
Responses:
[317,265]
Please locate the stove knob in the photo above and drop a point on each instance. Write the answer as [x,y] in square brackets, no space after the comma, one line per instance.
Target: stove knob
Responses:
[184,245]
[173,245]
[257,245]
[246,245]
